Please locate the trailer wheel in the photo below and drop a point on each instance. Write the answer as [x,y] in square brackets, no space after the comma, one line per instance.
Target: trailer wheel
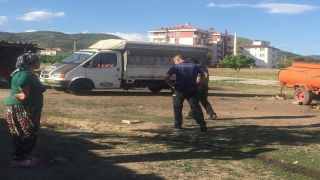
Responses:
[155,89]
[80,87]
[302,95]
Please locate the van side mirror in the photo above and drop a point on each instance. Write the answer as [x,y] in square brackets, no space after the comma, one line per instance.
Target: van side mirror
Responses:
[88,65]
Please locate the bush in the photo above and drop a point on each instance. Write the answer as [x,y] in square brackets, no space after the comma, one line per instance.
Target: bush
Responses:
[51,59]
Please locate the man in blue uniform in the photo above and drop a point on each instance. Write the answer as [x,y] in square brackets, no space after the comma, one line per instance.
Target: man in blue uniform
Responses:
[185,87]
[203,91]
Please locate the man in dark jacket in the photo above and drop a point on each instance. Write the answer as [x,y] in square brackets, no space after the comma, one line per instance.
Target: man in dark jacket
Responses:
[203,91]
[185,87]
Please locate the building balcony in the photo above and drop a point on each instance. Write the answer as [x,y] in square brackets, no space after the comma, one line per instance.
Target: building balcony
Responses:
[157,37]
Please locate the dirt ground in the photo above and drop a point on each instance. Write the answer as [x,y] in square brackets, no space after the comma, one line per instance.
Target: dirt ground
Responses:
[82,148]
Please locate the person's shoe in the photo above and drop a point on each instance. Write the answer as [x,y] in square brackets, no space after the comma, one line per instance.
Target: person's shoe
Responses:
[203,128]
[35,159]
[176,127]
[26,165]
[213,116]
[189,117]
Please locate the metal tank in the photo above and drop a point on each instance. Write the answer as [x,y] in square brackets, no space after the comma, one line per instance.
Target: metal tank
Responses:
[304,78]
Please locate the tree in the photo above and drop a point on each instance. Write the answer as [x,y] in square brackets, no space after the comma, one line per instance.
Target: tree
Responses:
[51,59]
[237,62]
[208,58]
[284,64]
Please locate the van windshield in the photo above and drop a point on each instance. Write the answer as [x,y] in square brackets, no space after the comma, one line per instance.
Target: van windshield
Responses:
[78,57]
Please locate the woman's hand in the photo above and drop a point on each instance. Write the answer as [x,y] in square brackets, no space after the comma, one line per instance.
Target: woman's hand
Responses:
[19,97]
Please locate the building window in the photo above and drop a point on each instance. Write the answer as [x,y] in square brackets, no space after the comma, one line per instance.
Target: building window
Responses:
[168,33]
[177,33]
[261,49]
[176,41]
[261,55]
[246,50]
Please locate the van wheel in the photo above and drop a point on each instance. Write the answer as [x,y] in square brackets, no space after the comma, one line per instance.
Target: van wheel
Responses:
[302,95]
[80,87]
[155,89]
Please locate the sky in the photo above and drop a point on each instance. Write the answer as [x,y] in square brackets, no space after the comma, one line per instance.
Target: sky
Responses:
[289,25]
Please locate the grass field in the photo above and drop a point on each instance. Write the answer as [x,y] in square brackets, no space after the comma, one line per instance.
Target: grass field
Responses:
[288,146]
[254,73]
[274,145]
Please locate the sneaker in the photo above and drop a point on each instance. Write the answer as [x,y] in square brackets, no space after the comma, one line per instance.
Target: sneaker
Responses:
[203,128]
[189,117]
[213,116]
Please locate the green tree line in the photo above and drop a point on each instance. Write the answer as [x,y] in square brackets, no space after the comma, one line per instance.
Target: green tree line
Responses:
[51,59]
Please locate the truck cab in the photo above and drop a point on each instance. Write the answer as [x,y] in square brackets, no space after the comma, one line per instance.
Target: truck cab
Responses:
[83,71]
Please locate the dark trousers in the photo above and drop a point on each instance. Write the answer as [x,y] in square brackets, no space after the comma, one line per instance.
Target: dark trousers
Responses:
[191,94]
[203,98]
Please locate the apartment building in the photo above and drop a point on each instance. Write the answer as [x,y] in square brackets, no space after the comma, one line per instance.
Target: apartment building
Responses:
[219,44]
[265,55]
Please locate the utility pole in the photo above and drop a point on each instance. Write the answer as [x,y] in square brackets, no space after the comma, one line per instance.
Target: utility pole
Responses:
[74,46]
[285,58]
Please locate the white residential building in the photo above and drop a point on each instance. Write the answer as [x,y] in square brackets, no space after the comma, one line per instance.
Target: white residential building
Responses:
[52,52]
[265,55]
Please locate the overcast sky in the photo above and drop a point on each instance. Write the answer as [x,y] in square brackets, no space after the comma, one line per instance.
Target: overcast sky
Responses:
[289,25]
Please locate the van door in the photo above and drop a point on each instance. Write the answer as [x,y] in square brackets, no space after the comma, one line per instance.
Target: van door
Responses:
[105,70]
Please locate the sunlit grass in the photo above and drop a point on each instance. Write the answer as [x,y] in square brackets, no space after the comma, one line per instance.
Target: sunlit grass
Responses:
[254,73]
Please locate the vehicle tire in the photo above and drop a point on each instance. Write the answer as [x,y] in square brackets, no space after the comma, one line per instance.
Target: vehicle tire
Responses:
[80,87]
[59,89]
[155,89]
[302,95]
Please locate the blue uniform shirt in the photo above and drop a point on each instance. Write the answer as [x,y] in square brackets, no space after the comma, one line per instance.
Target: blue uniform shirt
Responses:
[186,73]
